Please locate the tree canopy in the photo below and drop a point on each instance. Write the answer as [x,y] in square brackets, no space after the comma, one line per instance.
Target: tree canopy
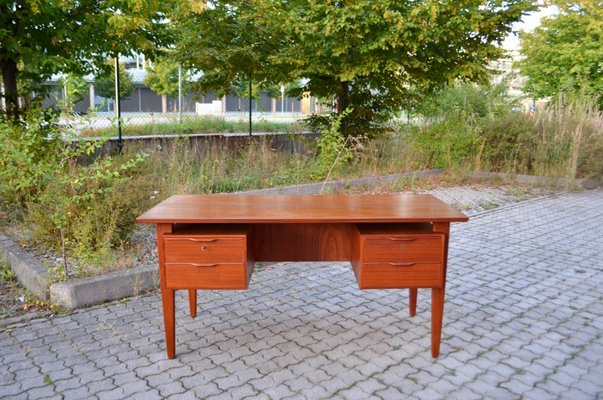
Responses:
[366,55]
[566,52]
[162,77]
[41,38]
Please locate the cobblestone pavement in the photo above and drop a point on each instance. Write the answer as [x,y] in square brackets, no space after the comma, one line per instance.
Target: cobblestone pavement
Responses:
[523,320]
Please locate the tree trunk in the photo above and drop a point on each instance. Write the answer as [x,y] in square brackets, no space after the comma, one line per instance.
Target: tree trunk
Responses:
[343,100]
[163,103]
[343,97]
[9,79]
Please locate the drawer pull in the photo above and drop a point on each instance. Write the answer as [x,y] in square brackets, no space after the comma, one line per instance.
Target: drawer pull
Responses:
[204,265]
[402,264]
[402,239]
[202,240]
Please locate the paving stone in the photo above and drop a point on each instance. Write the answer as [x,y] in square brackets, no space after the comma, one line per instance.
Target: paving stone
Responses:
[260,396]
[576,394]
[23,374]
[151,394]
[171,388]
[40,392]
[133,386]
[101,386]
[279,392]
[114,394]
[31,383]
[242,391]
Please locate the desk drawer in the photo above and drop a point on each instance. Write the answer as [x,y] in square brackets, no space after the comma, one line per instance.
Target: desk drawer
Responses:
[207,276]
[198,249]
[388,275]
[403,248]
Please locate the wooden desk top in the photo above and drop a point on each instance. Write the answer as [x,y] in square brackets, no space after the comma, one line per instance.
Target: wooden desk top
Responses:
[229,208]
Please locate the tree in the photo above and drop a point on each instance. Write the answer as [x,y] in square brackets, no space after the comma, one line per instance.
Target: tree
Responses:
[104,85]
[367,55]
[162,78]
[566,52]
[72,89]
[41,38]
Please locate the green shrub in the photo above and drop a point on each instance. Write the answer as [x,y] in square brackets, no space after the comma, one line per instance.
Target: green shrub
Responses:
[29,153]
[87,210]
[449,143]
[511,143]
[78,209]
[473,127]
[473,101]
[333,149]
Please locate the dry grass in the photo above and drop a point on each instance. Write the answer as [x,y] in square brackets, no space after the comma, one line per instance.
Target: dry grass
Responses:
[570,140]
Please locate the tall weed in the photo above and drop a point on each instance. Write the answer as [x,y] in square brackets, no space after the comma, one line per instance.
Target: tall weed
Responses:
[570,139]
[563,140]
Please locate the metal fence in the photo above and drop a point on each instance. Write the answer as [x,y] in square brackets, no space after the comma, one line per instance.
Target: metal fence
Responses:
[145,112]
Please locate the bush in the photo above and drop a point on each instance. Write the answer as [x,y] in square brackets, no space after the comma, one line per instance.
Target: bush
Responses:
[511,143]
[86,210]
[79,210]
[449,143]
[29,154]
[471,127]
[333,149]
[473,101]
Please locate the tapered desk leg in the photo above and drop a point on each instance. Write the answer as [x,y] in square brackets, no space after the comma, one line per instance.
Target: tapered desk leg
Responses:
[192,302]
[412,302]
[169,321]
[437,314]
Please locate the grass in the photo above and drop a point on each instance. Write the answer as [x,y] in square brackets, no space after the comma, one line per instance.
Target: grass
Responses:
[193,125]
[191,167]
[564,140]
[570,140]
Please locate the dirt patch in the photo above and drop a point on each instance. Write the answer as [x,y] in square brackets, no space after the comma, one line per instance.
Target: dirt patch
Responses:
[15,300]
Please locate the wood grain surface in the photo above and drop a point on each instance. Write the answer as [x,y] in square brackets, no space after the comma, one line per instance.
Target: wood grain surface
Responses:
[301,208]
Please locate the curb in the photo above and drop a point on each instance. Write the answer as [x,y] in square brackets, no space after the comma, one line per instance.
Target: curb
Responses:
[29,271]
[538,180]
[99,289]
[77,293]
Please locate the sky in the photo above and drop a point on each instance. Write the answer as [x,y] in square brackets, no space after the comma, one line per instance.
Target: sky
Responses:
[529,23]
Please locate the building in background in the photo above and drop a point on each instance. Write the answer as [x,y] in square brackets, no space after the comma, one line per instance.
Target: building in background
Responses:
[145,101]
[509,75]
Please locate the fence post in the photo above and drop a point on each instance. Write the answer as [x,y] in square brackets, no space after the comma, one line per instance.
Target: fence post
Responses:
[250,97]
[120,143]
[179,94]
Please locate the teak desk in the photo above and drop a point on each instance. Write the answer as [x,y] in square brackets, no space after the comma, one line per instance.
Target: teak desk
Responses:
[212,242]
